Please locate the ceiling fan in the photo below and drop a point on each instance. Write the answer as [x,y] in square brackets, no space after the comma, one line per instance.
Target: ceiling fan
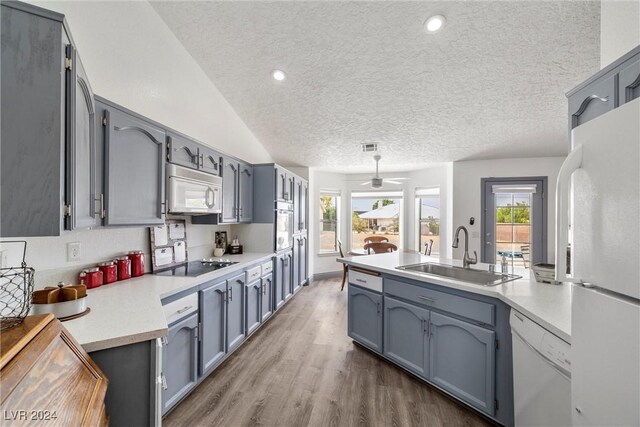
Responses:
[376,181]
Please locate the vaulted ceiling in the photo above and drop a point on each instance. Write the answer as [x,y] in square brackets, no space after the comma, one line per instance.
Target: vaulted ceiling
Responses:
[490,84]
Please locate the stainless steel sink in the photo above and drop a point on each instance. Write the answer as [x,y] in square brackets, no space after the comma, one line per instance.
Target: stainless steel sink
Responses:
[477,277]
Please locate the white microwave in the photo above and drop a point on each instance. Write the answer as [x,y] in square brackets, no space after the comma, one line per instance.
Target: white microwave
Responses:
[193,192]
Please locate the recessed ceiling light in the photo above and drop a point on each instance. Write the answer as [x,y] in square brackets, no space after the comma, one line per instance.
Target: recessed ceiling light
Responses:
[434,24]
[279,75]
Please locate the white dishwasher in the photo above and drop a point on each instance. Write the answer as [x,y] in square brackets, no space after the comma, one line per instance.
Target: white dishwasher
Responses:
[541,375]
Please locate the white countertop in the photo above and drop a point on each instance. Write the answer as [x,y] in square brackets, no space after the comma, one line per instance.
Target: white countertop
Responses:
[130,311]
[547,305]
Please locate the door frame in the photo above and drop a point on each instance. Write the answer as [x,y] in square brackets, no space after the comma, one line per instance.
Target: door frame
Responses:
[545,209]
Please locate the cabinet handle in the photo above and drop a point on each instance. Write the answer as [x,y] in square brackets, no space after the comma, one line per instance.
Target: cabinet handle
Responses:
[378,307]
[164,341]
[426,298]
[164,382]
[231,294]
[182,310]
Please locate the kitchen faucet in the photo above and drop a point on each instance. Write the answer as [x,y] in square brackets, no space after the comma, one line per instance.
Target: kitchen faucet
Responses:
[466,259]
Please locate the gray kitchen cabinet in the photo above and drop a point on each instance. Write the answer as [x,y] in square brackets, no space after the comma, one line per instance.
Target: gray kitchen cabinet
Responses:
[235,311]
[229,190]
[295,268]
[48,156]
[134,169]
[287,275]
[462,360]
[296,205]
[406,338]
[266,300]
[629,81]
[365,317]
[302,202]
[183,151]
[285,185]
[83,158]
[278,295]
[213,317]
[245,192]
[592,101]
[180,361]
[210,160]
[253,306]
[304,266]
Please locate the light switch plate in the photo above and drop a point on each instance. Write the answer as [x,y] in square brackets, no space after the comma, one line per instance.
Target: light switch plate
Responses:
[74,251]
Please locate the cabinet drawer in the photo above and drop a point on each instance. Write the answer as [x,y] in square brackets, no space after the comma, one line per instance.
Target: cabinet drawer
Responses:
[253,274]
[365,280]
[267,268]
[476,310]
[180,308]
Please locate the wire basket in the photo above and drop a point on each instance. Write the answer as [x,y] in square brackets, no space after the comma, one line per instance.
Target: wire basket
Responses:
[16,287]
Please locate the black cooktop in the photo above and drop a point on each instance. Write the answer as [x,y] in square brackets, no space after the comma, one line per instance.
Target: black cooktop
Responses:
[196,268]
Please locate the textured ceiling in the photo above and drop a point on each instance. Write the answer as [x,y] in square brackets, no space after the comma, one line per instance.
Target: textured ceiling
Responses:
[491,84]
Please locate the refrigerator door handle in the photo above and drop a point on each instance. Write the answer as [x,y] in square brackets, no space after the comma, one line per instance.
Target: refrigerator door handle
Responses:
[570,165]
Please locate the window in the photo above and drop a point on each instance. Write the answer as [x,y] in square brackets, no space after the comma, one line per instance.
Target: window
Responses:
[375,214]
[428,219]
[329,214]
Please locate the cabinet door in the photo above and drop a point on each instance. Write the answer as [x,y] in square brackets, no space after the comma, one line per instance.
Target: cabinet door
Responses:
[304,193]
[295,268]
[229,190]
[290,188]
[365,317]
[235,311]
[405,335]
[592,101]
[246,193]
[180,361]
[303,260]
[287,275]
[267,297]
[278,287]
[210,161]
[134,170]
[213,316]
[183,151]
[296,206]
[281,184]
[462,360]
[82,155]
[253,306]
[629,82]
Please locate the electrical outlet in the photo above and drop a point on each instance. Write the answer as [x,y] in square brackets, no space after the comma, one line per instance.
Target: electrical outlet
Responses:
[74,252]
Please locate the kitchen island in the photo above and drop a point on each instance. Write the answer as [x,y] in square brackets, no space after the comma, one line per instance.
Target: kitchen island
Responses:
[452,334]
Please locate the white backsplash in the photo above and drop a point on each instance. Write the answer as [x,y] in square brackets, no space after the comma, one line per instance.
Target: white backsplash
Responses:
[48,255]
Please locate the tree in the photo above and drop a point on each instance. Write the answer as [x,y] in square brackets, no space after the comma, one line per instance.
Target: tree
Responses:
[521,214]
[385,202]
[359,224]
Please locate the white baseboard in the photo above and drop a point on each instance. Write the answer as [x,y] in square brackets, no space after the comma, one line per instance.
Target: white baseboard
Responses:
[326,275]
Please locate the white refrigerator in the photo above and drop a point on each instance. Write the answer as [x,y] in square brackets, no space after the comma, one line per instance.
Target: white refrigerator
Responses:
[601,181]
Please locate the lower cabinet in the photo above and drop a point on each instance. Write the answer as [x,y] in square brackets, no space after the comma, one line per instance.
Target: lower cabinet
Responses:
[253,306]
[283,290]
[462,360]
[365,317]
[266,301]
[295,268]
[235,311]
[287,275]
[180,364]
[406,339]
[213,316]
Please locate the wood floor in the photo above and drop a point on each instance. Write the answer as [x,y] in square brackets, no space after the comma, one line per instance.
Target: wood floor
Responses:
[301,369]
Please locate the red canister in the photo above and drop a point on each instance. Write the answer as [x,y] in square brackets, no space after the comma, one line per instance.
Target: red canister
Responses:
[91,277]
[124,267]
[109,272]
[137,263]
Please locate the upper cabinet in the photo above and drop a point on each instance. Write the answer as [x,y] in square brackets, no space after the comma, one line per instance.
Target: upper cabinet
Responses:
[134,168]
[610,88]
[189,153]
[49,159]
[300,205]
[285,185]
[237,194]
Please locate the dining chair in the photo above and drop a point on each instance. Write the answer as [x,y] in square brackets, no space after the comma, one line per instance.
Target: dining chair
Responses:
[428,246]
[375,239]
[526,253]
[345,269]
[380,247]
